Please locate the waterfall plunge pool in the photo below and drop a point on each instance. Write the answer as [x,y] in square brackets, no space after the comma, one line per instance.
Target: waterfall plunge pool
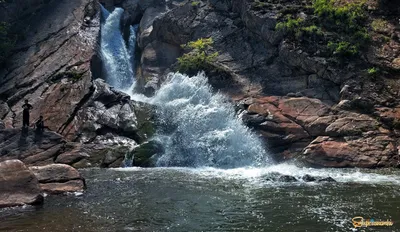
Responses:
[208,199]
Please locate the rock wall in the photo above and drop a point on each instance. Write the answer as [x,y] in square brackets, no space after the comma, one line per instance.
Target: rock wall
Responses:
[56,67]
[302,104]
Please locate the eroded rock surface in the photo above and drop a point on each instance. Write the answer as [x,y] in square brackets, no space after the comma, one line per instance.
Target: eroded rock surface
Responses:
[299,101]
[58,178]
[18,185]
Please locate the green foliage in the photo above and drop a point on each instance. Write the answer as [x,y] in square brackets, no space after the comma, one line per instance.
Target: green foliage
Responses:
[74,76]
[290,25]
[343,49]
[195,3]
[347,20]
[373,72]
[379,24]
[198,58]
[7,41]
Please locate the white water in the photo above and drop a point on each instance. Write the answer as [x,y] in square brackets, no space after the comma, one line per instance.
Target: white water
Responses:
[200,128]
[118,57]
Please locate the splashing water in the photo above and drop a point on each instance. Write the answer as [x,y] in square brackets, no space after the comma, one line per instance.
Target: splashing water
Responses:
[118,58]
[199,128]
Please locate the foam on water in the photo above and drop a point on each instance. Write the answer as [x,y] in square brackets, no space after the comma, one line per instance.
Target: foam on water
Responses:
[255,174]
[200,128]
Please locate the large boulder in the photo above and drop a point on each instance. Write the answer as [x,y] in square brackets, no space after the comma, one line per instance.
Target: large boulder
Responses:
[58,178]
[143,155]
[366,152]
[18,185]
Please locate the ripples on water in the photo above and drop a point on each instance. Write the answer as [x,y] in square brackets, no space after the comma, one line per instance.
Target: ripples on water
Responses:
[184,199]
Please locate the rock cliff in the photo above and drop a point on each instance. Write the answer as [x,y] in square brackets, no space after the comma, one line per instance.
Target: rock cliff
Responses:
[305,102]
[55,65]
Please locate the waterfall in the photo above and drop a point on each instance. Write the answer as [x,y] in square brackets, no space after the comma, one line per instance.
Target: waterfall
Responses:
[197,128]
[200,128]
[117,56]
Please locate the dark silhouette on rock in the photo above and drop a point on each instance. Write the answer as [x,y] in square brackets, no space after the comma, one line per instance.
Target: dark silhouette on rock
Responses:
[25,113]
[39,125]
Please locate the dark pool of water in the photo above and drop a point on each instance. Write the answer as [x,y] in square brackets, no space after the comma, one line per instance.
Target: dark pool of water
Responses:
[195,200]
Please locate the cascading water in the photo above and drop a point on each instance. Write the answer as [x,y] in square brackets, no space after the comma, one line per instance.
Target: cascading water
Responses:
[118,57]
[200,128]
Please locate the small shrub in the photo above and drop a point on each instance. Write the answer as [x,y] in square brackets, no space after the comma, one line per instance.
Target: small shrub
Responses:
[373,72]
[379,25]
[290,25]
[195,3]
[199,57]
[343,49]
[74,76]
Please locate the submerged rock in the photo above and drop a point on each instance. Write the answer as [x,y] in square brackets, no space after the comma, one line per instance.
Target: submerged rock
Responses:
[18,185]
[142,155]
[287,178]
[327,179]
[308,178]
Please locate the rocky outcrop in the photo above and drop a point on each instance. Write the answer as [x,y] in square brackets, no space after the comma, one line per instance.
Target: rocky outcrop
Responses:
[18,185]
[30,147]
[56,67]
[302,103]
[58,178]
[51,67]
[143,155]
[369,151]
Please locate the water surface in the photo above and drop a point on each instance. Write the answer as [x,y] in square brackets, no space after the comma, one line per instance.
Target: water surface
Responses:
[183,199]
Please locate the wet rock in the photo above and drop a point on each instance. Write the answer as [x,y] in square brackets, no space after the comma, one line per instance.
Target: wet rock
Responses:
[354,124]
[63,187]
[18,185]
[364,152]
[308,178]
[59,178]
[102,156]
[110,117]
[286,178]
[156,58]
[327,179]
[142,155]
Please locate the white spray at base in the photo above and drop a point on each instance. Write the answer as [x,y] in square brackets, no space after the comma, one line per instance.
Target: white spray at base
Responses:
[199,128]
[202,130]
[117,56]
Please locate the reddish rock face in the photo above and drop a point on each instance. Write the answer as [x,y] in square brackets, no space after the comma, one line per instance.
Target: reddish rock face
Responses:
[18,185]
[311,131]
[377,151]
[287,123]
